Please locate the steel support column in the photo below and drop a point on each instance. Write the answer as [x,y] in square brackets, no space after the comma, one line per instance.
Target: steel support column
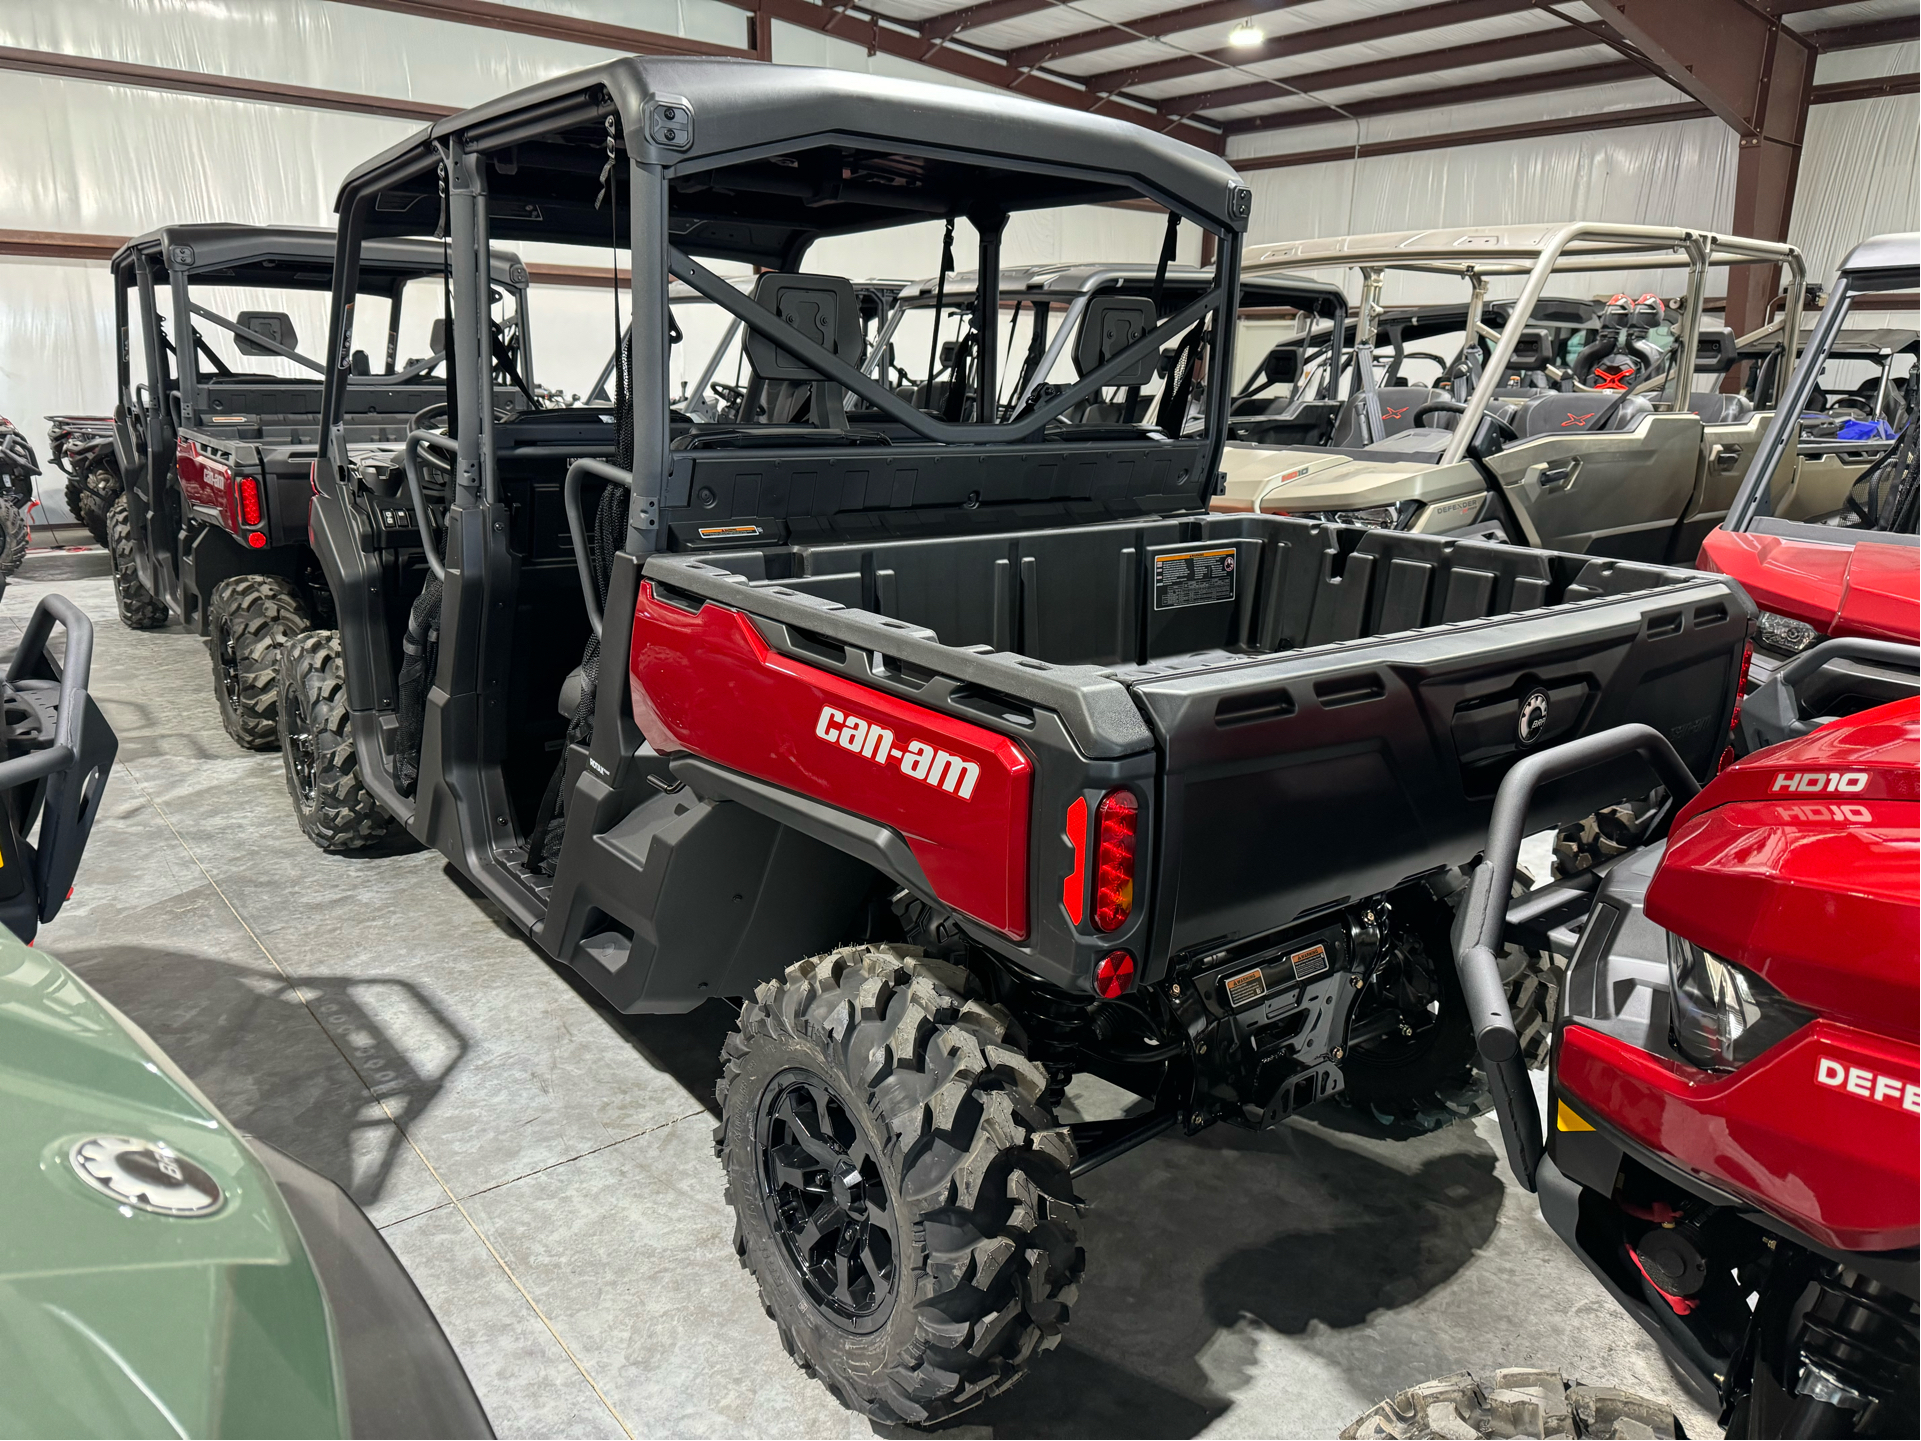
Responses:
[1757,75]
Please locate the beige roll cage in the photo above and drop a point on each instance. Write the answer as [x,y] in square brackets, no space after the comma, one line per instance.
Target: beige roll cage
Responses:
[1536,251]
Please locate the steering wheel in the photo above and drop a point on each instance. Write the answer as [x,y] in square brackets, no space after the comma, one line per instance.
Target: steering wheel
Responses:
[1505,431]
[437,412]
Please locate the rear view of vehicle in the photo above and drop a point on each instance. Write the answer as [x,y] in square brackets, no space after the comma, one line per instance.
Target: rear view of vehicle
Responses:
[1734,1103]
[218,440]
[946,730]
[1830,551]
[82,447]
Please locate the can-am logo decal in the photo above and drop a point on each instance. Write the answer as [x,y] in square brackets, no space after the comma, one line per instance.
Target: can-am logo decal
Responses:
[1533,719]
[919,761]
[1890,1091]
[1843,782]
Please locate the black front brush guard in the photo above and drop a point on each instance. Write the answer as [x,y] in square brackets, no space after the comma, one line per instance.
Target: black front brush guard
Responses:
[58,751]
[1486,919]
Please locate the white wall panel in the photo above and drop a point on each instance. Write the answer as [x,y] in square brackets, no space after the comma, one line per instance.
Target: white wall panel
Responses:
[56,353]
[342,47]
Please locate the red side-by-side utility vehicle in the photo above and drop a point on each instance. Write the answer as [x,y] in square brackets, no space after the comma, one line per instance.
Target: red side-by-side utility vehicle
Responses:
[963,747]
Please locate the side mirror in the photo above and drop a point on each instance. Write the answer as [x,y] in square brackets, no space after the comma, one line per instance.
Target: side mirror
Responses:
[1111,324]
[1716,352]
[1533,350]
[274,325]
[437,337]
[1282,366]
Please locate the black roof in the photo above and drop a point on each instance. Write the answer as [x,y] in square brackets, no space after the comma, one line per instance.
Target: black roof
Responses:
[857,152]
[257,255]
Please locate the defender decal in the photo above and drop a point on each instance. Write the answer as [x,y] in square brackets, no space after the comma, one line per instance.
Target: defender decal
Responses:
[1890,1091]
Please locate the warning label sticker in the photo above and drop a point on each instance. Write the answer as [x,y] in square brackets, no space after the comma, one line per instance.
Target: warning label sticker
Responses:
[1310,962]
[1195,577]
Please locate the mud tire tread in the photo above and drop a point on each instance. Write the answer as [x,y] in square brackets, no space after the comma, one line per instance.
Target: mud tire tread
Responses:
[15,533]
[90,495]
[140,608]
[991,1260]
[259,613]
[344,815]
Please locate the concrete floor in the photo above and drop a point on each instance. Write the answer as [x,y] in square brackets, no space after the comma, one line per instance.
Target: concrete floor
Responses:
[544,1167]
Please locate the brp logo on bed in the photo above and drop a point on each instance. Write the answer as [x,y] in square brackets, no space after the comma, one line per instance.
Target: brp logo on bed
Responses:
[1533,718]
[919,761]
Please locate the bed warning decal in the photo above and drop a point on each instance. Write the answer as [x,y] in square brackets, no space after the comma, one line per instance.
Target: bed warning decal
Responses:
[1193,577]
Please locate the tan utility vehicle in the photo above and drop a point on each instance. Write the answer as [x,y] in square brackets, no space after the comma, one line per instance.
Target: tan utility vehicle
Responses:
[1623,447]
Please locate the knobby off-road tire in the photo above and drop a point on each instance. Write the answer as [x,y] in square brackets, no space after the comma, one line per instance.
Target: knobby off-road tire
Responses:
[14,535]
[334,808]
[140,608]
[90,495]
[953,1204]
[1517,1401]
[249,619]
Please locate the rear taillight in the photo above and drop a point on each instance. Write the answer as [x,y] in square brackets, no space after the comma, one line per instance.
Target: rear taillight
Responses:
[1114,975]
[1074,888]
[1114,860]
[249,501]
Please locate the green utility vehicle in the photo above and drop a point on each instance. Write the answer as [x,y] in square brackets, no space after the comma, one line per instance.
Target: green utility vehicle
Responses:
[163,1275]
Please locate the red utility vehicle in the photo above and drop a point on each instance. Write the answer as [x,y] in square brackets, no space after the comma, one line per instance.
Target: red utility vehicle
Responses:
[1825,548]
[1735,1086]
[219,422]
[963,746]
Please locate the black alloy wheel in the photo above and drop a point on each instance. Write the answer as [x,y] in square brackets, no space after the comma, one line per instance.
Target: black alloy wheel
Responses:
[826,1201]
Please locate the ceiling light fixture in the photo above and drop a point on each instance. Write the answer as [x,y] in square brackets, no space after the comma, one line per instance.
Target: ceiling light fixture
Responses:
[1246,35]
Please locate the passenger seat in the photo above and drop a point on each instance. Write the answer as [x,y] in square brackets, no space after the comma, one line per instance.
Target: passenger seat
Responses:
[1398,404]
[1558,414]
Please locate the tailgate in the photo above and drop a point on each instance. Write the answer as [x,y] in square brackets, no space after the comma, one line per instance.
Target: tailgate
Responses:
[1334,773]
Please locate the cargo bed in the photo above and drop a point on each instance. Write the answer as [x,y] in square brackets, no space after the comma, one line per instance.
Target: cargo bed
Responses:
[1329,708]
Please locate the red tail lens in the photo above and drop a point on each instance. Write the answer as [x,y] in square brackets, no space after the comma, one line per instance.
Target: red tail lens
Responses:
[1114,861]
[257,541]
[1074,888]
[1114,976]
[249,501]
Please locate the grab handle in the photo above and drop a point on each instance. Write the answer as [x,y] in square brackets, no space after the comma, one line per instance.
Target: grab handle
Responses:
[410,459]
[73,686]
[1486,918]
[577,525]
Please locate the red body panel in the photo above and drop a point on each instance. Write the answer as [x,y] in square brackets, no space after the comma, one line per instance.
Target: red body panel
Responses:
[1823,1155]
[1802,864]
[1868,588]
[207,481]
[707,683]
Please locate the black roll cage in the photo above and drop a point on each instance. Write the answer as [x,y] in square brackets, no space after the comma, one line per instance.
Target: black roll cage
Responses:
[462,157]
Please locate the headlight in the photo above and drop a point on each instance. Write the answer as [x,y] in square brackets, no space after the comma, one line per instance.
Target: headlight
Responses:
[1374,517]
[1785,635]
[1723,1016]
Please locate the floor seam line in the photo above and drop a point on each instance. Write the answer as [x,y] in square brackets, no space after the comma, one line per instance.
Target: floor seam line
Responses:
[413,1145]
[569,1160]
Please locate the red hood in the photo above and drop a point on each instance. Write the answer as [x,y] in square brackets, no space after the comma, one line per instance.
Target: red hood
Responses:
[1803,864]
[1862,587]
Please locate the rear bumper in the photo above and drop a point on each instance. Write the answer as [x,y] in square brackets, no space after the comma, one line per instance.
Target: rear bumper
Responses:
[402,1376]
